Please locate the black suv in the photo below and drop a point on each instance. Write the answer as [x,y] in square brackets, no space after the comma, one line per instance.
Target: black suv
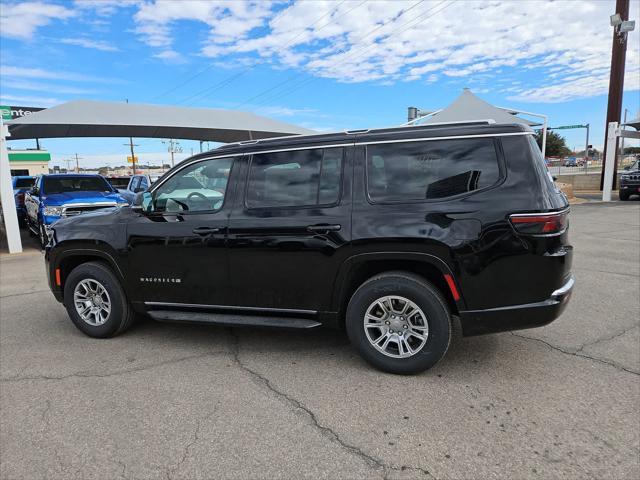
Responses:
[630,181]
[391,234]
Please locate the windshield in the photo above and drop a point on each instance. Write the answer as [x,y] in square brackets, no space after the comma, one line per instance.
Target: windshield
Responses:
[53,185]
[120,182]
[24,182]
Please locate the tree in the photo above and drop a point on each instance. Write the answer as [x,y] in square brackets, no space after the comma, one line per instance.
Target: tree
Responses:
[630,150]
[556,145]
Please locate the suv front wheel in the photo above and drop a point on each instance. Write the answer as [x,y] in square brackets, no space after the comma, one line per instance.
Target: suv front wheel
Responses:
[399,323]
[96,302]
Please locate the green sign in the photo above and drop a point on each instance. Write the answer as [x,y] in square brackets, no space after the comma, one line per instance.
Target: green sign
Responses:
[566,127]
[10,113]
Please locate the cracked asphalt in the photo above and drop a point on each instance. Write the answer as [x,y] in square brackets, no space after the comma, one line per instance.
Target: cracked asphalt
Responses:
[185,402]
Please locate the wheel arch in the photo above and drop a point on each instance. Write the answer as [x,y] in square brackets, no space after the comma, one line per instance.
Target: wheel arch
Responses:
[70,258]
[357,269]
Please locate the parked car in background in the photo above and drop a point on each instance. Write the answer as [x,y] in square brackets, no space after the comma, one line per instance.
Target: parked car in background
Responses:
[21,185]
[119,183]
[570,162]
[57,196]
[137,183]
[391,234]
[630,181]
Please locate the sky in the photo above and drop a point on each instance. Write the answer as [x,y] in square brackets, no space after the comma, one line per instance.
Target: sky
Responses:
[324,65]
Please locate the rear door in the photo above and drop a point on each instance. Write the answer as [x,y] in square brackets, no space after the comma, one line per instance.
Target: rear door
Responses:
[291,228]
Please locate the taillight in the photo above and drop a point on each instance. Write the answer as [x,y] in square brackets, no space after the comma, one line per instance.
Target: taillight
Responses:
[540,223]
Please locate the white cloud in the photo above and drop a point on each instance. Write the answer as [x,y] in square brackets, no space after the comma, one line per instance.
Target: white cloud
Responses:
[105,8]
[226,21]
[170,56]
[568,41]
[29,100]
[46,87]
[89,43]
[22,72]
[21,20]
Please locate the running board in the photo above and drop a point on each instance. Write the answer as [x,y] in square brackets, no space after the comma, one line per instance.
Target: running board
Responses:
[231,319]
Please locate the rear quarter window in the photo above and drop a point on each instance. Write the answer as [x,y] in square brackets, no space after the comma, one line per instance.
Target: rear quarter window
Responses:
[430,170]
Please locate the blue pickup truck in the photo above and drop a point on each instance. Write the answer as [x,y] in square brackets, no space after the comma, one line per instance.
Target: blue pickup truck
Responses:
[56,196]
[21,185]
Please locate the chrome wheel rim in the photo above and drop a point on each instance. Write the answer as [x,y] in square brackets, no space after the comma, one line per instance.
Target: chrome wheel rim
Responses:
[396,326]
[92,302]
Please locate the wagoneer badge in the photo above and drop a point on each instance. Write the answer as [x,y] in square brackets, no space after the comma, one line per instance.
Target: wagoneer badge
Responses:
[160,280]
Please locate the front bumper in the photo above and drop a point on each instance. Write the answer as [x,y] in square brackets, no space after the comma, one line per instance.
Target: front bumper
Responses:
[517,317]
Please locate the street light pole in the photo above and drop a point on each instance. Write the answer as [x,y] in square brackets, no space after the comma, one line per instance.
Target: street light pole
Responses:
[616,82]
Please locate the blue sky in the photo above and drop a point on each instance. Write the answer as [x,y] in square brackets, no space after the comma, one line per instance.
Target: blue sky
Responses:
[326,65]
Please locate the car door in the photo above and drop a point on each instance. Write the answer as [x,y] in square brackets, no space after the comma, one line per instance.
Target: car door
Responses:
[32,201]
[290,229]
[177,245]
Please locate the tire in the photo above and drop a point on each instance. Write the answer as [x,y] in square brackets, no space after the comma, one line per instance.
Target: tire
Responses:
[624,196]
[120,317]
[400,286]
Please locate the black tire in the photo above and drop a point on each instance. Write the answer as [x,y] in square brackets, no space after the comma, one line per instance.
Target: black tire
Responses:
[624,196]
[425,296]
[121,316]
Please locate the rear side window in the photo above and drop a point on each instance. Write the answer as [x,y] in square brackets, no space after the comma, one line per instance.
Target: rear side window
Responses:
[25,182]
[430,170]
[295,179]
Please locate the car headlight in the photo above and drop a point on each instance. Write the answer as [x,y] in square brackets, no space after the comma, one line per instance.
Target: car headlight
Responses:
[53,211]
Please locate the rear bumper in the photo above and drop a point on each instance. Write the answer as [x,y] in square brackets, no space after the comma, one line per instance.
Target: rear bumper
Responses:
[517,317]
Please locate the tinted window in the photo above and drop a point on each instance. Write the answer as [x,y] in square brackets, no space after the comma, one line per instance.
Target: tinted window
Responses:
[196,188]
[434,169]
[51,185]
[295,179]
[24,182]
[119,182]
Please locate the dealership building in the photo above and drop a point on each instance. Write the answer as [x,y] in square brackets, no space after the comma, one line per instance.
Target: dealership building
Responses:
[29,162]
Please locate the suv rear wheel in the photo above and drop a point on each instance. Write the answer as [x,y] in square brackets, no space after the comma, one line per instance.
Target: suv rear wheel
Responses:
[399,323]
[96,302]
[624,196]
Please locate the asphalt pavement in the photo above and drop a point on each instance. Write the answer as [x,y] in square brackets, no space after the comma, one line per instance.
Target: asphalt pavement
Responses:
[167,401]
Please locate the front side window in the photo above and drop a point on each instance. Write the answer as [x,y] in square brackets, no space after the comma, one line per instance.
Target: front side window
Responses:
[295,178]
[430,170]
[197,188]
[68,184]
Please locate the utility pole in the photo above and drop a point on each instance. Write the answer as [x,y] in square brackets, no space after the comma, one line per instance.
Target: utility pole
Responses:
[77,163]
[174,147]
[133,156]
[616,78]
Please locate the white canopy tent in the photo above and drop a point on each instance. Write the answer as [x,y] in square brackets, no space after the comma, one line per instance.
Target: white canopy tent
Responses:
[468,108]
[85,118]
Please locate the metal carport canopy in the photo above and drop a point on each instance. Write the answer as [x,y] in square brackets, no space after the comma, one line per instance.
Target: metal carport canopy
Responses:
[88,118]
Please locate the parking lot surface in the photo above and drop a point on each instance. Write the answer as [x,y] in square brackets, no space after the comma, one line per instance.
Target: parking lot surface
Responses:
[167,401]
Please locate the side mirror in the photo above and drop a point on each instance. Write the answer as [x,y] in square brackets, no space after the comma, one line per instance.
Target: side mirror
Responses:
[138,190]
[555,178]
[628,167]
[143,202]
[116,190]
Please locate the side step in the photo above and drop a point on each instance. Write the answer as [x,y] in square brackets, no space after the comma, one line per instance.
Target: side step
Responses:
[231,319]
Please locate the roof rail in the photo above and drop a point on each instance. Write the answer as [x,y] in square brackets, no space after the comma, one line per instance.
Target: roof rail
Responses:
[488,121]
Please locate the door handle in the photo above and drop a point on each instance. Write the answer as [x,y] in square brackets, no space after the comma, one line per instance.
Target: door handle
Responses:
[205,230]
[324,228]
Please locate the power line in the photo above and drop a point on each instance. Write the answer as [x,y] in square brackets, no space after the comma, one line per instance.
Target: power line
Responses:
[210,66]
[360,51]
[298,75]
[231,78]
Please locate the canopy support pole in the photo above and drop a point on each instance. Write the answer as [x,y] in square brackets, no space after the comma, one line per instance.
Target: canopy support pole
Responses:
[610,160]
[9,213]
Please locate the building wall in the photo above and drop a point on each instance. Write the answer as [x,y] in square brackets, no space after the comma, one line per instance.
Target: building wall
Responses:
[581,181]
[34,168]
